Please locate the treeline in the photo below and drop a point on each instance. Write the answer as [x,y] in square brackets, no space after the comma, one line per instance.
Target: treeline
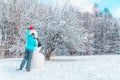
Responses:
[63,30]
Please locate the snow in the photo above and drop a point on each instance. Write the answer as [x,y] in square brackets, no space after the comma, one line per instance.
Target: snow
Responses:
[104,67]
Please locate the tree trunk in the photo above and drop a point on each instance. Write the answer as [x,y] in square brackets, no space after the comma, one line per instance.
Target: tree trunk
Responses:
[72,52]
[2,53]
[48,55]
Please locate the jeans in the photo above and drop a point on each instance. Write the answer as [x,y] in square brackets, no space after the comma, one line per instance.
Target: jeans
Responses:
[27,58]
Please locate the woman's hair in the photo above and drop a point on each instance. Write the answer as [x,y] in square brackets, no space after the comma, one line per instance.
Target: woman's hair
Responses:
[39,43]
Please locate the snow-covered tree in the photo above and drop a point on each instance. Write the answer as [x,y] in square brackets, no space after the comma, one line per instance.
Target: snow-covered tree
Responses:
[60,28]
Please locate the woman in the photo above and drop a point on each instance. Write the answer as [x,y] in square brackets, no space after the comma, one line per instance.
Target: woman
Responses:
[31,44]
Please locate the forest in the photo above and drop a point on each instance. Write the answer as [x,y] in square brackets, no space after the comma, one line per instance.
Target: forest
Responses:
[62,30]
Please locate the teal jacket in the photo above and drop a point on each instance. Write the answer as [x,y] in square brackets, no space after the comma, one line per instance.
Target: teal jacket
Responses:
[30,41]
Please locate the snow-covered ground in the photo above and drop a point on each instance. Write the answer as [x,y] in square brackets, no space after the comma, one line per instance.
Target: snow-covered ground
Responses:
[105,67]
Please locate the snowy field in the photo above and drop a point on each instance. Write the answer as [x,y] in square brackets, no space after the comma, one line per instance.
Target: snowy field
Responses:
[66,68]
